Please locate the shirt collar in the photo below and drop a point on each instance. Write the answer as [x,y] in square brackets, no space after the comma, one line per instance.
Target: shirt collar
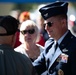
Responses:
[60,40]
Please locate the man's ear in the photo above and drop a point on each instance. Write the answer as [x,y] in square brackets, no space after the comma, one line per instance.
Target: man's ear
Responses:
[13,40]
[63,21]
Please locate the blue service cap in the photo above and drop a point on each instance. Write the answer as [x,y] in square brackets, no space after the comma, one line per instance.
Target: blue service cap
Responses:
[53,9]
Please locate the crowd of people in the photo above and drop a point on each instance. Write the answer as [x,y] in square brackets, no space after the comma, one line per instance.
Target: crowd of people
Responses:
[29,49]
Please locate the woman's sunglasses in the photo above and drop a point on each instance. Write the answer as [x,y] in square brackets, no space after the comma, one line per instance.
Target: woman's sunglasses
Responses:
[30,31]
[49,24]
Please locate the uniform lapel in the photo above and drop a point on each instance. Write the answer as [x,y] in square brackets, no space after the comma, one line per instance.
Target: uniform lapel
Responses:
[62,47]
[67,39]
[57,53]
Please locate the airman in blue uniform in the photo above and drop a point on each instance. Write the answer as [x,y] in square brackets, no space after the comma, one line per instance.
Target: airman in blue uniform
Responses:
[62,60]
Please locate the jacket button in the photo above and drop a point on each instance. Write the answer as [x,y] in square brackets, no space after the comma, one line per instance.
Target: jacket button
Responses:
[50,71]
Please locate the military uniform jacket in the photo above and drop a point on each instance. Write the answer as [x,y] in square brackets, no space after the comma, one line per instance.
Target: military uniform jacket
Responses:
[62,62]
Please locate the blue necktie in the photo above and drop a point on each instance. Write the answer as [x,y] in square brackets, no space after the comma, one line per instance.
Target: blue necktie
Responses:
[52,49]
[56,45]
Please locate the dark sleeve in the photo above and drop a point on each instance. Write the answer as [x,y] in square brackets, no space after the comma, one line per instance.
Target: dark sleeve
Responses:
[73,62]
[40,64]
[34,72]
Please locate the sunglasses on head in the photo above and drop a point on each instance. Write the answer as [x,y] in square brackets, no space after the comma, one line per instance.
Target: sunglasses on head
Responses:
[49,24]
[30,31]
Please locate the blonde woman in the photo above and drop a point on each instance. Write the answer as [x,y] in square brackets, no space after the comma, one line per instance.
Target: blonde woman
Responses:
[29,36]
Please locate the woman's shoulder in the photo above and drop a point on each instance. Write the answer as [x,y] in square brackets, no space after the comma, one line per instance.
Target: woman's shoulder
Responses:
[40,47]
[19,49]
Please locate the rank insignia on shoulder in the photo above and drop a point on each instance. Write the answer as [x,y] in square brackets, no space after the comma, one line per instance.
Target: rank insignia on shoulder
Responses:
[64,50]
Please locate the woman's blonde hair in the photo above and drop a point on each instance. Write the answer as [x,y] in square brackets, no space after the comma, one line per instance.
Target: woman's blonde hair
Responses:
[30,23]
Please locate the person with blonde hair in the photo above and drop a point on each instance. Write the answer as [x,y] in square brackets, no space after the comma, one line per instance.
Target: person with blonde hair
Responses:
[25,15]
[29,36]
